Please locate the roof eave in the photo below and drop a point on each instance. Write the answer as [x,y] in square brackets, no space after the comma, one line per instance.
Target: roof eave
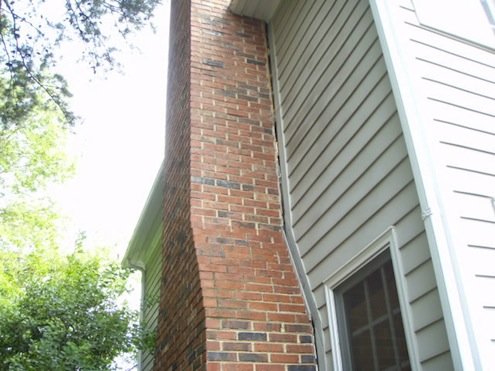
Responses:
[259,9]
[148,227]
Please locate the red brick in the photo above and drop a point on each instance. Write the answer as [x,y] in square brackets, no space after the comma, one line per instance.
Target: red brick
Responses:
[226,267]
[306,348]
[270,368]
[272,307]
[267,326]
[213,346]
[284,358]
[283,338]
[244,347]
[237,367]
[268,347]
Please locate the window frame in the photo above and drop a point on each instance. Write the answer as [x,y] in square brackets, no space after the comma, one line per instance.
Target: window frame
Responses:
[355,264]
[467,20]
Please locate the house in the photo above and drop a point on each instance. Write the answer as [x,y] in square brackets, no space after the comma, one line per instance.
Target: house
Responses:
[328,187]
[144,254]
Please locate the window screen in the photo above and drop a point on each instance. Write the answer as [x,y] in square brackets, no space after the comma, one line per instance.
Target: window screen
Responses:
[372,332]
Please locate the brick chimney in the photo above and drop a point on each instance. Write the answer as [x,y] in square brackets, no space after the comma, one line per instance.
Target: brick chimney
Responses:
[230,298]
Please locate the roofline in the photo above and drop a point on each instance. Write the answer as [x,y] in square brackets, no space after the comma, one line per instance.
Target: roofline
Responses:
[149,225]
[259,9]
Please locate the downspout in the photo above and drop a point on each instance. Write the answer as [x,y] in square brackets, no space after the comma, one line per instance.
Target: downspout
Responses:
[140,267]
[286,215]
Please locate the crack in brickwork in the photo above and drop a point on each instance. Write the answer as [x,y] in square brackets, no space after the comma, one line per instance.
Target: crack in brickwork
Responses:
[230,296]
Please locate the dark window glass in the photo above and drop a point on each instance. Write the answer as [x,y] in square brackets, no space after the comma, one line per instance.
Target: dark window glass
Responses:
[377,295]
[356,305]
[362,347]
[375,337]
[384,345]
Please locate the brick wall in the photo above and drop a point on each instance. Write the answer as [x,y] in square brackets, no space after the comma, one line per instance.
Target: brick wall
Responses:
[248,312]
[181,322]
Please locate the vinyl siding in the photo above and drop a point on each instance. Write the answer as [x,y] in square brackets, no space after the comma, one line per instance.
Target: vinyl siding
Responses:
[346,175]
[144,253]
[149,310]
[455,83]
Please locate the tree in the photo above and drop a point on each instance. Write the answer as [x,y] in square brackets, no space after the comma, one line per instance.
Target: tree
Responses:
[35,116]
[32,156]
[31,31]
[56,312]
[62,312]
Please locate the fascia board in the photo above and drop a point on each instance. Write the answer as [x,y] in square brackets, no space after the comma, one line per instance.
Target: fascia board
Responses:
[149,225]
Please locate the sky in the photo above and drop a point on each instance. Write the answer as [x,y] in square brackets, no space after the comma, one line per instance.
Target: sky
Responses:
[119,144]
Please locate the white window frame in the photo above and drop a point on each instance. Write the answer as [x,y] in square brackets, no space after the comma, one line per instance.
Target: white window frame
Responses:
[386,240]
[465,19]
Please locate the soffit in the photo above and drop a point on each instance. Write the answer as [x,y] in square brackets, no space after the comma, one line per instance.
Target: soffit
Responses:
[259,9]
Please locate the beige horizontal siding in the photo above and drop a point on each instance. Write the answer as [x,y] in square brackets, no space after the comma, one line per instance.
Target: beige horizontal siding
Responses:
[457,89]
[150,306]
[347,175]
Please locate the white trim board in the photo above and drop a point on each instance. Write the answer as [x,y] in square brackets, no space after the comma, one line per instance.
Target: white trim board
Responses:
[413,117]
[386,240]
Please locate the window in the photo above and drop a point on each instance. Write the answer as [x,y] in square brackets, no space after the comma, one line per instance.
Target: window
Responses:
[372,333]
[466,19]
[370,324]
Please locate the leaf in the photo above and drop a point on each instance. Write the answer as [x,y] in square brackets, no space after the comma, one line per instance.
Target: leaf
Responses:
[64,313]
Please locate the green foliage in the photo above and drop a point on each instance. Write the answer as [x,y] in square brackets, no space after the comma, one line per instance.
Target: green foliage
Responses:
[62,313]
[24,89]
[33,155]
[32,151]
[32,30]
[56,312]
[28,225]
